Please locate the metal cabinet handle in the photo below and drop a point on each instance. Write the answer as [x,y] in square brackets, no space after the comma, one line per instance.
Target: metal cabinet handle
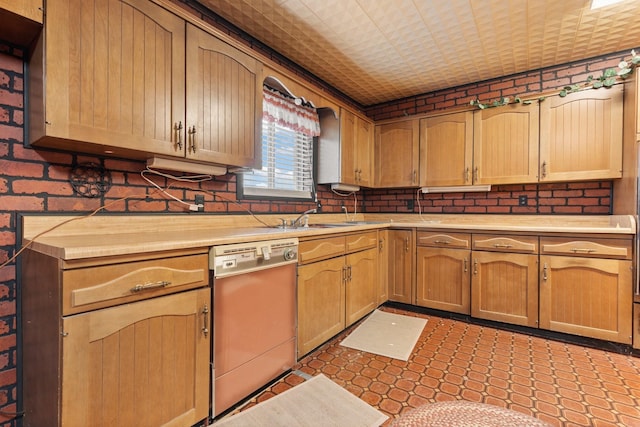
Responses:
[475,175]
[381,244]
[415,176]
[466,175]
[465,265]
[205,315]
[583,250]
[502,246]
[178,129]
[344,273]
[406,244]
[543,170]
[475,266]
[192,139]
[544,271]
[149,286]
[349,275]
[442,242]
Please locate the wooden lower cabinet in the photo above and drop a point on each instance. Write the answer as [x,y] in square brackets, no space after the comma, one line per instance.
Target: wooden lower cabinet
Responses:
[383,266]
[590,297]
[142,361]
[636,326]
[401,265]
[361,285]
[443,279]
[504,287]
[321,303]
[442,271]
[143,364]
[337,285]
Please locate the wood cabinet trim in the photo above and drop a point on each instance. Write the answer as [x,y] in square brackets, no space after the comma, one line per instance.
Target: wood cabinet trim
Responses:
[444,240]
[593,248]
[98,287]
[522,244]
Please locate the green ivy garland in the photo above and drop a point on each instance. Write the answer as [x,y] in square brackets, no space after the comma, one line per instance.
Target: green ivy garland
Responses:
[609,78]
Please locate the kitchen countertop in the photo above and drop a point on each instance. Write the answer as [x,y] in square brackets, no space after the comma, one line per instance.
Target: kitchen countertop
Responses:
[77,237]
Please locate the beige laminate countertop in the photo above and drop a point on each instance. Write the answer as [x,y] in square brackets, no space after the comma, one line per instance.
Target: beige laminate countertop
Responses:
[74,237]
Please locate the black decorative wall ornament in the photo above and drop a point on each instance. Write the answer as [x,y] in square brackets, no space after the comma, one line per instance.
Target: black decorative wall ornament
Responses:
[90,180]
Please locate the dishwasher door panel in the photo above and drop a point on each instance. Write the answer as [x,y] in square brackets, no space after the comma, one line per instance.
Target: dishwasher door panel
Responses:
[253,313]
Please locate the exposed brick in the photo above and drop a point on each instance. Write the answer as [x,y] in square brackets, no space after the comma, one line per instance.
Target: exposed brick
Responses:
[23,203]
[7,238]
[23,186]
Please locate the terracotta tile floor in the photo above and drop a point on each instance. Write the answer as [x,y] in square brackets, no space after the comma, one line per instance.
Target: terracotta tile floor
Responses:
[562,384]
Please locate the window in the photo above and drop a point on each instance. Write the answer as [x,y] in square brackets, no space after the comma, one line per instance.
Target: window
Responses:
[287,151]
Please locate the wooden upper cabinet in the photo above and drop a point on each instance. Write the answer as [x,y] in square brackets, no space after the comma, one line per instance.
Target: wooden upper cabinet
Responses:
[30,9]
[224,102]
[364,152]
[345,149]
[505,144]
[396,154]
[114,77]
[446,149]
[21,21]
[124,78]
[581,135]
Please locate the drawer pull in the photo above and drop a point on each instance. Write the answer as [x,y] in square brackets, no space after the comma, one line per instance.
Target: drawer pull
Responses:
[502,246]
[442,242]
[583,250]
[150,286]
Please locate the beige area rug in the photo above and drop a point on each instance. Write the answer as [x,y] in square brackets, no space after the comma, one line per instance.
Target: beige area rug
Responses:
[387,334]
[317,402]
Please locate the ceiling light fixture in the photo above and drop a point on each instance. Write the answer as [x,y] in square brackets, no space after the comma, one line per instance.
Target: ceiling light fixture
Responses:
[596,4]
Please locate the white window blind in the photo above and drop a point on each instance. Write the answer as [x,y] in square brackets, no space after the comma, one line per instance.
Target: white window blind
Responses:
[287,152]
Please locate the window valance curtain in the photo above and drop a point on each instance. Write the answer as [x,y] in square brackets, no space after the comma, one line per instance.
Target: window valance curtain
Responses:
[284,111]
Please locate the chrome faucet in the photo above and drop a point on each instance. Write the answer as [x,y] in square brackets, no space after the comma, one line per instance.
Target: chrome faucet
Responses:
[296,222]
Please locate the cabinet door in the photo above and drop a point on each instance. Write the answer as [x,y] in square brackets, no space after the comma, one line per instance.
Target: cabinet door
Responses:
[383,266]
[505,145]
[143,364]
[364,152]
[321,304]
[504,287]
[361,285]
[446,149]
[113,84]
[581,135]
[396,154]
[586,296]
[348,154]
[224,102]
[443,279]
[401,253]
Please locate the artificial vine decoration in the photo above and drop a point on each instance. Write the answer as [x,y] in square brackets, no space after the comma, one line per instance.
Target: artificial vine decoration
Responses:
[609,78]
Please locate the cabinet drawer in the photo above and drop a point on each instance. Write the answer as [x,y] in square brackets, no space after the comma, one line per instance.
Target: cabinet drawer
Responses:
[600,248]
[505,243]
[444,240]
[361,241]
[94,287]
[318,249]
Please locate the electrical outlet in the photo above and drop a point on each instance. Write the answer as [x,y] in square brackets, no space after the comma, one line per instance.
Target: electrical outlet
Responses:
[410,204]
[523,200]
[199,200]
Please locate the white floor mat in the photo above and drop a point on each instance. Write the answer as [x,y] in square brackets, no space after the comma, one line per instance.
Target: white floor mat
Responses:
[387,334]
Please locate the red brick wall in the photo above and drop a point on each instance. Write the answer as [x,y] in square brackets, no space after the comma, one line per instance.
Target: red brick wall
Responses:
[38,181]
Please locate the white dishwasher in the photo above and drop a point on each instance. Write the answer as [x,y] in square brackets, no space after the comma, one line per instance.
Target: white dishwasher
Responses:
[254,317]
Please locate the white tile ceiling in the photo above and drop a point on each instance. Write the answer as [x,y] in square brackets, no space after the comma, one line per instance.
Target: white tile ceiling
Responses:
[380,50]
